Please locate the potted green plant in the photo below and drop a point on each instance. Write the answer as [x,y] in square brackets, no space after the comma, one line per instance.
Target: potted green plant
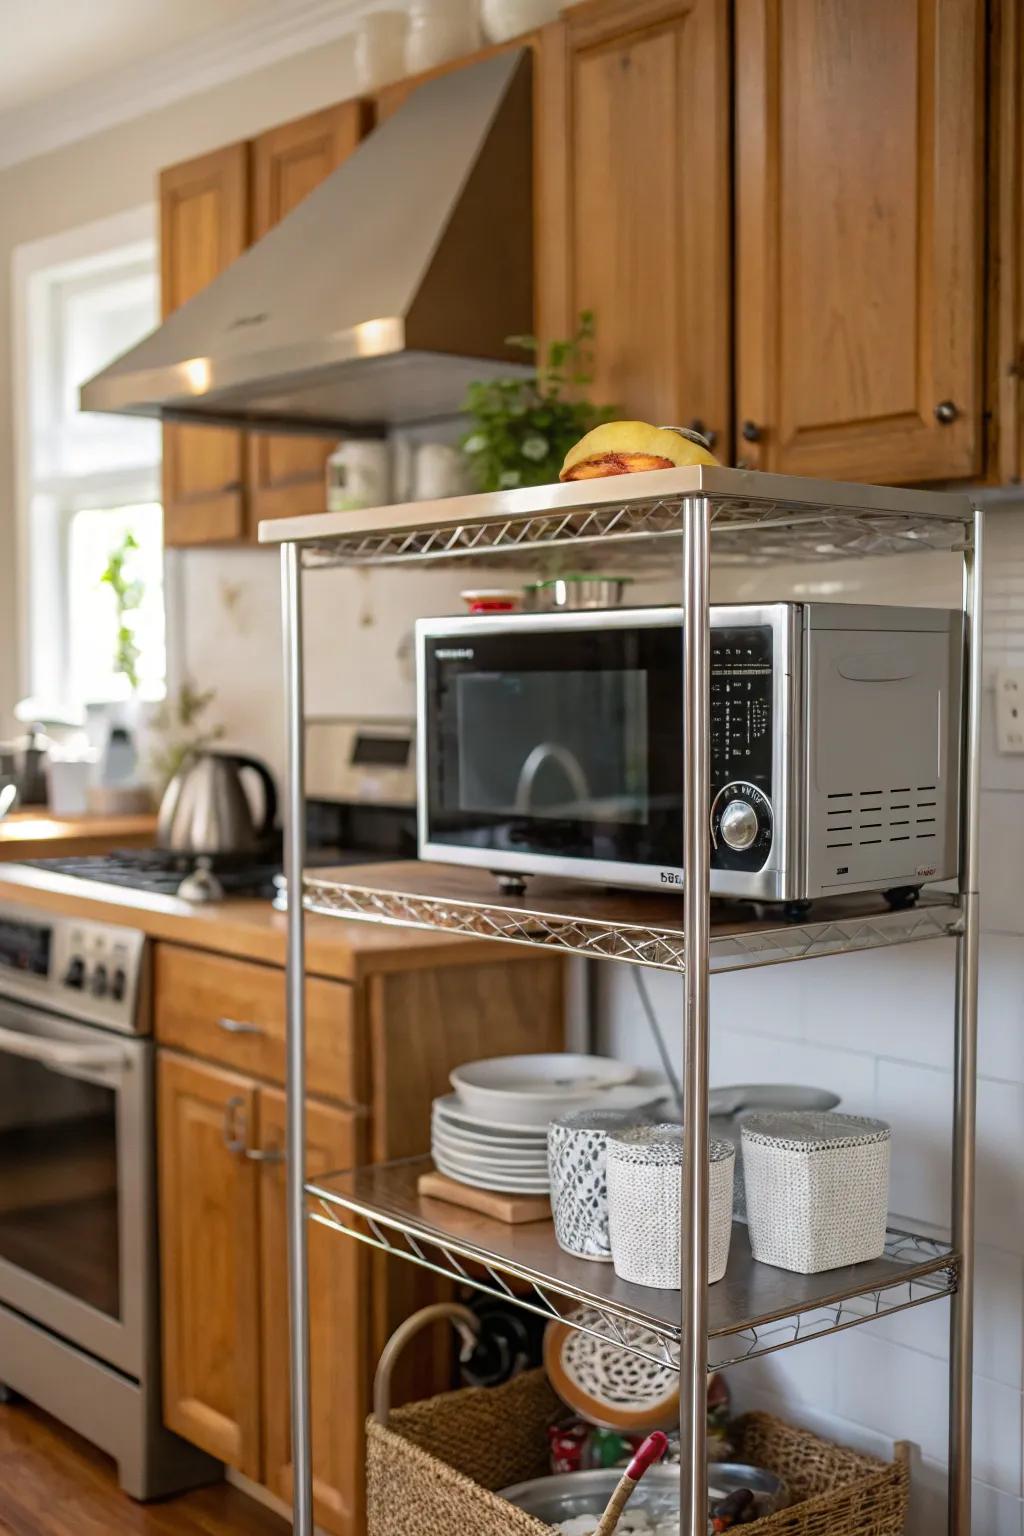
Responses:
[521,429]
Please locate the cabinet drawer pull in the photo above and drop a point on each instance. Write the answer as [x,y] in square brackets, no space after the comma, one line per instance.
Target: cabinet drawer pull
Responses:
[264,1154]
[235,1128]
[946,412]
[240,1027]
[751,432]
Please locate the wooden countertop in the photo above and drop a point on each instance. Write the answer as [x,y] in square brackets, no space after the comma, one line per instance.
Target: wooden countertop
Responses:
[37,834]
[337,947]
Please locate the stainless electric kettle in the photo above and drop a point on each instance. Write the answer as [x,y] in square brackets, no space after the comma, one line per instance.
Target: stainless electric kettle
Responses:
[205,808]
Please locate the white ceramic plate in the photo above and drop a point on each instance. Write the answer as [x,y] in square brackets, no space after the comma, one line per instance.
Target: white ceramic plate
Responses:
[528,1090]
[511,1186]
[520,1156]
[453,1112]
[517,1178]
[534,1167]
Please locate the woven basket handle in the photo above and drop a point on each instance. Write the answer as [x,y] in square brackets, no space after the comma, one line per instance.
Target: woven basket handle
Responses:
[465,1323]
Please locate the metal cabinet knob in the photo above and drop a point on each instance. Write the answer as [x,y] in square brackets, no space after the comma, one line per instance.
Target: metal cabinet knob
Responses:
[264,1154]
[750,432]
[709,434]
[239,1027]
[946,413]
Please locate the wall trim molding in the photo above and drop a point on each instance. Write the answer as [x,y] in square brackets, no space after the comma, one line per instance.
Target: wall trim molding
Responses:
[276,30]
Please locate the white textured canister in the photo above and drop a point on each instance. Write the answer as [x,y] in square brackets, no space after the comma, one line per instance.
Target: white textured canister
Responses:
[645,1168]
[817,1187]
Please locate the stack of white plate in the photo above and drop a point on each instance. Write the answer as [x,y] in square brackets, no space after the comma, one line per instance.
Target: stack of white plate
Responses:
[491,1133]
[488,1155]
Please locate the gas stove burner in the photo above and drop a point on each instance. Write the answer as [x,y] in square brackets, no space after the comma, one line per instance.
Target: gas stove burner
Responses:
[162,873]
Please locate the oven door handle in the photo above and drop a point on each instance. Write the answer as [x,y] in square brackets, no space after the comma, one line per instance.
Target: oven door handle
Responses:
[64,1056]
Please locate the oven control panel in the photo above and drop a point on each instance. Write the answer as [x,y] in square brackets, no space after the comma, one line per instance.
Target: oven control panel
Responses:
[742,693]
[90,971]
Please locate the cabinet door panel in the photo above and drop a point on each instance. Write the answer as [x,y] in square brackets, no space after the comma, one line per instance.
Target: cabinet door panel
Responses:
[858,236]
[339,1305]
[287,471]
[209,1258]
[634,202]
[204,226]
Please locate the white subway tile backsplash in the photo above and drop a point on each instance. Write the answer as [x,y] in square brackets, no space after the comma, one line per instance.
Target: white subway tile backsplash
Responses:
[1001,1006]
[1001,848]
[737,1057]
[896,1002]
[893,1390]
[917,1102]
[806,1374]
[760,1002]
[993,1512]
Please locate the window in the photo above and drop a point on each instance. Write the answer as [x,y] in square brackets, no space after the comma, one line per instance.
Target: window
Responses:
[89,485]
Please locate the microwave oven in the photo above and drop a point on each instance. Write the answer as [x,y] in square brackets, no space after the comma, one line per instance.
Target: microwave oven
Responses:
[552,744]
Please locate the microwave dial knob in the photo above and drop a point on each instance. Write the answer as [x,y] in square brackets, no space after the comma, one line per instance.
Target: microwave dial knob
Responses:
[739,825]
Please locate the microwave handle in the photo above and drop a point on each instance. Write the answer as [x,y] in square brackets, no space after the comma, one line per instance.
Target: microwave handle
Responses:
[63,1056]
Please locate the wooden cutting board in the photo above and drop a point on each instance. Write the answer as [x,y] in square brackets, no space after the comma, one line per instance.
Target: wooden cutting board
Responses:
[513,1209]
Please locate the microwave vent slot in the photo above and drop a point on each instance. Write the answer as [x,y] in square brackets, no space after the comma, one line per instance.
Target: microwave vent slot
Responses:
[864,818]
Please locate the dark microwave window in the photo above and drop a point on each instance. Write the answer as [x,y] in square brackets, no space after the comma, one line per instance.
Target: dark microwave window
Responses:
[561,745]
[25,947]
[381,752]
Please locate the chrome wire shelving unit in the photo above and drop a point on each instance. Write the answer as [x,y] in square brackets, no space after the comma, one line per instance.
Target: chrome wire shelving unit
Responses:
[688,517]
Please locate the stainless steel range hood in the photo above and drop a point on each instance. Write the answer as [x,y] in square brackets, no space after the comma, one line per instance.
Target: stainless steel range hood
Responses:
[378,299]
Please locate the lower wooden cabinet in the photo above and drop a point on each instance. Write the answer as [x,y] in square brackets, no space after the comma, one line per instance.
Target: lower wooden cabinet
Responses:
[209,1205]
[225,1297]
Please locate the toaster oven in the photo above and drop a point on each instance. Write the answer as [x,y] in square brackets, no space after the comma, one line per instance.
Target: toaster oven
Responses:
[552,744]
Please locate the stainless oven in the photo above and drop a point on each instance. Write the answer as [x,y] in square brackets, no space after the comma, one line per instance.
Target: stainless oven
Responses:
[551,744]
[79,1319]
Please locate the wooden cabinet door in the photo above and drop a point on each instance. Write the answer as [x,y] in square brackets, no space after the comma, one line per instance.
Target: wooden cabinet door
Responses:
[286,472]
[339,1306]
[1006,251]
[204,226]
[209,1260]
[859,181]
[633,201]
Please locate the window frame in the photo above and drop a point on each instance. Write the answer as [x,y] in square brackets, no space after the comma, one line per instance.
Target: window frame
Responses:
[41,531]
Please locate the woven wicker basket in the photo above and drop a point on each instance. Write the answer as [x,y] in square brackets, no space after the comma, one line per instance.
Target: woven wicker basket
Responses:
[433,1469]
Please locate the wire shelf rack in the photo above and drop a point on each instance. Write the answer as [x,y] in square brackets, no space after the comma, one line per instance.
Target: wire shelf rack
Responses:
[756,1310]
[755,519]
[636,927]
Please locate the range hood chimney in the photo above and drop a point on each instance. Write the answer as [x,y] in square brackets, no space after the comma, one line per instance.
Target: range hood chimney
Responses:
[380,297]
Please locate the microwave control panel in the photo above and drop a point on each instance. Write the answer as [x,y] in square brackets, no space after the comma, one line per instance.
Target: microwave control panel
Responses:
[742,691]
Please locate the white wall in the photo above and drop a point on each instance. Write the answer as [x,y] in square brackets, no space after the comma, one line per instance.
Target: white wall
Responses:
[877,1028]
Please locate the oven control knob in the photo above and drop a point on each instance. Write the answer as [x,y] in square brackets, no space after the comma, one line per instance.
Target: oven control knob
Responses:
[739,825]
[118,984]
[74,976]
[98,981]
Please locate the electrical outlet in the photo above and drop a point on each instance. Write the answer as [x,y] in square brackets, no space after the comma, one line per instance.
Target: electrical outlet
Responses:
[1010,709]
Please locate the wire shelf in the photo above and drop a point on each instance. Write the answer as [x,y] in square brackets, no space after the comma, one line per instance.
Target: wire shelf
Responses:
[755,519]
[637,927]
[756,1310]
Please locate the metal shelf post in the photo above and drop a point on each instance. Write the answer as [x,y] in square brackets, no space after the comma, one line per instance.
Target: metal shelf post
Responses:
[295,1082]
[961,1326]
[693,1363]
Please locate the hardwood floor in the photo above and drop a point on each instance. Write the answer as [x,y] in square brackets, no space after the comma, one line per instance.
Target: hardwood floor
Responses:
[52,1483]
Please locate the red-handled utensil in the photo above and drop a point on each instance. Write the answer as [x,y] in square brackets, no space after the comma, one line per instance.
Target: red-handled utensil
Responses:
[652,1450]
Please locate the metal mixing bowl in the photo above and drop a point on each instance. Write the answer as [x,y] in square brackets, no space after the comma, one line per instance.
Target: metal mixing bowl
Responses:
[566,1494]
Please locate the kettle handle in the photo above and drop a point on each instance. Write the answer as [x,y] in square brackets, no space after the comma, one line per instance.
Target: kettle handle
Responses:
[269,791]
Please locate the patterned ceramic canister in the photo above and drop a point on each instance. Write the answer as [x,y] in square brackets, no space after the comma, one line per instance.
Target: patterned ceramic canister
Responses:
[645,1170]
[579,1187]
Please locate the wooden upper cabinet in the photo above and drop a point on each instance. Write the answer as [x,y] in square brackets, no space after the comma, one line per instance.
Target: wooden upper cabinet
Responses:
[1006,252]
[633,202]
[858,154]
[209,1211]
[204,226]
[287,472]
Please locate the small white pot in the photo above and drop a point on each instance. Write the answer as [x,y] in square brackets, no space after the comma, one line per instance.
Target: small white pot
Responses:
[817,1187]
[645,1171]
